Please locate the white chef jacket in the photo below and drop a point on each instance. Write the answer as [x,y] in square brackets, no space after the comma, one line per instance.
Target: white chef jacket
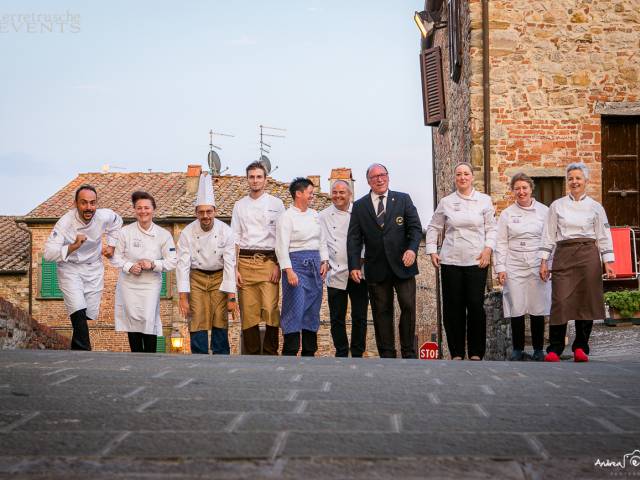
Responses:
[212,250]
[298,231]
[518,241]
[137,304]
[469,226]
[80,274]
[254,221]
[584,218]
[335,226]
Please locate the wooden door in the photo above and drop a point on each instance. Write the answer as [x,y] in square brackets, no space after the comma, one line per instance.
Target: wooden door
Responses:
[621,170]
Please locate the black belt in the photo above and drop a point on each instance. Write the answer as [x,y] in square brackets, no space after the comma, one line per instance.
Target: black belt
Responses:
[268,254]
[208,272]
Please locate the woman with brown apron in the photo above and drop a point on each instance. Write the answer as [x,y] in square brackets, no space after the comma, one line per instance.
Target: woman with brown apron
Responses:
[577,227]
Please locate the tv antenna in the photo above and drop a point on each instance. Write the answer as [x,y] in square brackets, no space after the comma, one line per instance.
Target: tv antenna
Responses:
[213,159]
[266,148]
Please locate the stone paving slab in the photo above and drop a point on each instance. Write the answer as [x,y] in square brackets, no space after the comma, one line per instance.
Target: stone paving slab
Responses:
[106,415]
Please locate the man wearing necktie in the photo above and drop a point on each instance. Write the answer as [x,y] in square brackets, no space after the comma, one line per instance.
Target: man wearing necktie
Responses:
[387,224]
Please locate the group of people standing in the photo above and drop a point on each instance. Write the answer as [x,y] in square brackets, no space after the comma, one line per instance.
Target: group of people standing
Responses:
[364,252]
[235,271]
[568,243]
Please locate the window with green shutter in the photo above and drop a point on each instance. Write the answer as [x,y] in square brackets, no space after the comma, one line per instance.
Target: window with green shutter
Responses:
[49,280]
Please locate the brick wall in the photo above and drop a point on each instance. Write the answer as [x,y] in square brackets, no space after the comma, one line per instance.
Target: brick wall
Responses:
[551,64]
[15,289]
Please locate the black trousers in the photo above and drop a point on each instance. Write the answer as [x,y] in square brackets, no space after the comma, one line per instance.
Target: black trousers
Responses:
[381,297]
[80,339]
[537,332]
[253,345]
[141,342]
[557,333]
[291,343]
[357,293]
[463,309]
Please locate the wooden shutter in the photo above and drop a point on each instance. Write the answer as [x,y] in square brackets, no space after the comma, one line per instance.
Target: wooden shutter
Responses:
[432,86]
[49,285]
[163,289]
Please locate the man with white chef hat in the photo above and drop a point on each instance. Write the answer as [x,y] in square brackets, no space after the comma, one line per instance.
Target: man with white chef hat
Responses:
[206,274]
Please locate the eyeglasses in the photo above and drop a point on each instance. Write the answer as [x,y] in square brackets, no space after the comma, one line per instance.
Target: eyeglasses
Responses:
[382,176]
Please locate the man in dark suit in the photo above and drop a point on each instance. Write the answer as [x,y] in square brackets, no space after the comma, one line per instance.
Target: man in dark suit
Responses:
[388,226]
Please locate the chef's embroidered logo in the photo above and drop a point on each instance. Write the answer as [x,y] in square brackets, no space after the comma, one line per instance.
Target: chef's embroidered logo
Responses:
[137,244]
[399,220]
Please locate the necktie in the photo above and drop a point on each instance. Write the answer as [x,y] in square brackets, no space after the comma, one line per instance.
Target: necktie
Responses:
[380,212]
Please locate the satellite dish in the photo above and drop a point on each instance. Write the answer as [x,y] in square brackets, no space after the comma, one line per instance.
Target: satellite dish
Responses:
[215,165]
[264,160]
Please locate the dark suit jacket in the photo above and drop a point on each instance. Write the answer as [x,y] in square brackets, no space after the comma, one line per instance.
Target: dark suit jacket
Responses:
[384,247]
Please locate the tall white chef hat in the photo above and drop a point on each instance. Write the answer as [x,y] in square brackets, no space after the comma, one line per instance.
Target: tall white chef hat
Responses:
[205,191]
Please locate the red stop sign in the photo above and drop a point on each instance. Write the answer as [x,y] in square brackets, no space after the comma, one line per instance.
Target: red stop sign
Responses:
[429,351]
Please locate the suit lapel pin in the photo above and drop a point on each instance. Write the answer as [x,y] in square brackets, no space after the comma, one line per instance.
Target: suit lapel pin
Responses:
[399,220]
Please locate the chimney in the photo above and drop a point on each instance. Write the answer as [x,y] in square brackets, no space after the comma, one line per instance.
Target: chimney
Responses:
[193,178]
[315,179]
[343,174]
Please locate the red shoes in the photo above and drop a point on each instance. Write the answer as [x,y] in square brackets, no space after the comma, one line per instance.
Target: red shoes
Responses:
[552,357]
[580,356]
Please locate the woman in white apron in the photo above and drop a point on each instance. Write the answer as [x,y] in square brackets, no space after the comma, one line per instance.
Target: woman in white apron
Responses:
[144,250]
[517,264]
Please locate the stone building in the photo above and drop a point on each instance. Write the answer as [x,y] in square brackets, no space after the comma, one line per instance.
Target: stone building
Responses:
[531,85]
[174,193]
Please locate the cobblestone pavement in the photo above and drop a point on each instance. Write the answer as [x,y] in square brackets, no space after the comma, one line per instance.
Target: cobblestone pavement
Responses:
[105,415]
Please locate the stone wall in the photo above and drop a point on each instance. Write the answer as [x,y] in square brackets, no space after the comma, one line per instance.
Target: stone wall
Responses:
[551,64]
[452,140]
[15,289]
[19,330]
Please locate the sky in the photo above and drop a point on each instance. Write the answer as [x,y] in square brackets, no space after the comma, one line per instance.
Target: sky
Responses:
[138,85]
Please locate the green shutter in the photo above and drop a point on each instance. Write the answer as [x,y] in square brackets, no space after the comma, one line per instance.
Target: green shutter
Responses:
[49,285]
[163,289]
[161,345]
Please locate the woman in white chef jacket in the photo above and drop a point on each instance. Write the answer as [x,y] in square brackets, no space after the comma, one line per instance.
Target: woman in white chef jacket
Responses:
[517,263]
[144,250]
[468,220]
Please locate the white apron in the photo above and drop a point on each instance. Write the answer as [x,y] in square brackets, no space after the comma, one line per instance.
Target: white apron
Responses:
[137,303]
[523,291]
[81,285]
[517,253]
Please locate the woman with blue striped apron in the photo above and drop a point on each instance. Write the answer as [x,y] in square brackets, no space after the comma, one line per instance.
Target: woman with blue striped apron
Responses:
[304,260]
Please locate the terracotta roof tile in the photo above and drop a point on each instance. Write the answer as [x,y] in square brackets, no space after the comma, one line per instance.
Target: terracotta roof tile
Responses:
[168,189]
[14,247]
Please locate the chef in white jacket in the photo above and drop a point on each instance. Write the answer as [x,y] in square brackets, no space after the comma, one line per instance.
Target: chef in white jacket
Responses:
[340,287]
[144,250]
[75,244]
[206,274]
[517,263]
[468,220]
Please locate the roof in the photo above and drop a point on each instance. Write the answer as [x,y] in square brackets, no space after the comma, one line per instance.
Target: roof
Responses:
[14,247]
[168,188]
[341,174]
